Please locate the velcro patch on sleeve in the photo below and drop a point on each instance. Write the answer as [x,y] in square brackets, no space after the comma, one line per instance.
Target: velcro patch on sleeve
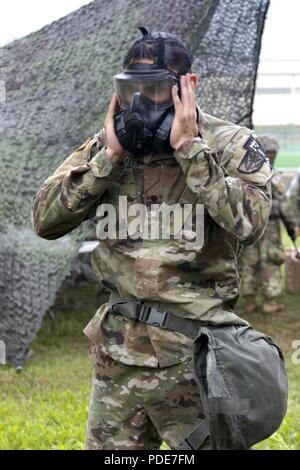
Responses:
[254,158]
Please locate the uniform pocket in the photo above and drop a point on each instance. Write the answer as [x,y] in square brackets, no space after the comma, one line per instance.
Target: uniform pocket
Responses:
[276,255]
[93,329]
[174,187]
[93,353]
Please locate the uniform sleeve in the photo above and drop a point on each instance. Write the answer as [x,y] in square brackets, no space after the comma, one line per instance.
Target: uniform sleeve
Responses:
[73,193]
[298,194]
[234,185]
[286,211]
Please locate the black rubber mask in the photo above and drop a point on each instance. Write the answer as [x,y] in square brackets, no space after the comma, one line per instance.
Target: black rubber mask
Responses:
[146,114]
[144,93]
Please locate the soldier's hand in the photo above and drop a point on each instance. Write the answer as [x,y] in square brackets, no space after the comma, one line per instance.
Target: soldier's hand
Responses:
[297,232]
[114,150]
[184,125]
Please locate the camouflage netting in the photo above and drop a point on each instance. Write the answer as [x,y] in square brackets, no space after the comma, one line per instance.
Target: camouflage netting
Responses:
[58,83]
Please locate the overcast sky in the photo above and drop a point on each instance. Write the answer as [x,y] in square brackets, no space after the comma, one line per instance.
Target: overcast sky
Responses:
[20,17]
[281,35]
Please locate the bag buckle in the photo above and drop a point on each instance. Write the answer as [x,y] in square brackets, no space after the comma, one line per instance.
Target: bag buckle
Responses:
[152,316]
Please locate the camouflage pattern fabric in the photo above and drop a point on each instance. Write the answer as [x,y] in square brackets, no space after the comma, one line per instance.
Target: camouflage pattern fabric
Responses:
[261,261]
[298,196]
[135,408]
[62,76]
[261,265]
[201,284]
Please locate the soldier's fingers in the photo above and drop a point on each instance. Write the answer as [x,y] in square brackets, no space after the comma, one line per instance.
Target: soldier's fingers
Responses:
[113,104]
[184,93]
[111,109]
[191,93]
[176,100]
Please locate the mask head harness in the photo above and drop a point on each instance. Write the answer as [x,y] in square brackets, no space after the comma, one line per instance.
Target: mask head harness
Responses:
[160,38]
[144,93]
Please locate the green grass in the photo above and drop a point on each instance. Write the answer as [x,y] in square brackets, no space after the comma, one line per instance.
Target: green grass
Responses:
[284,327]
[288,160]
[46,406]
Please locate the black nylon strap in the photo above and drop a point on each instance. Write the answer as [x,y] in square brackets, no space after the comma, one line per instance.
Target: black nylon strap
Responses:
[229,406]
[135,310]
[196,438]
[161,53]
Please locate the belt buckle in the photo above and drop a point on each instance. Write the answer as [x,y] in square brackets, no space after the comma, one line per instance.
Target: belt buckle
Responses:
[152,316]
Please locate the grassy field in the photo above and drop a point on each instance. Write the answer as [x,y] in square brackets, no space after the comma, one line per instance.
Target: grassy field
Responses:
[286,160]
[45,406]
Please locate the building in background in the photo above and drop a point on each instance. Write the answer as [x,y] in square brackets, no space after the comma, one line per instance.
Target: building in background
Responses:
[277,107]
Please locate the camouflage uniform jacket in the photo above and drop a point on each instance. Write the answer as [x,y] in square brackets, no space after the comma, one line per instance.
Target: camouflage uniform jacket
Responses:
[280,203]
[225,170]
[270,245]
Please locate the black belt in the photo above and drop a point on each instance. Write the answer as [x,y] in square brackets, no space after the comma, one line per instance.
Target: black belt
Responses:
[136,310]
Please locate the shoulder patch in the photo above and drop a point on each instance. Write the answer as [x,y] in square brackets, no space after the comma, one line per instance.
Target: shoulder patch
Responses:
[254,158]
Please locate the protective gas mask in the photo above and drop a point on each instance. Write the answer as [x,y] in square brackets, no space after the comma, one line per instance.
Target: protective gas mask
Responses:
[147,110]
[144,93]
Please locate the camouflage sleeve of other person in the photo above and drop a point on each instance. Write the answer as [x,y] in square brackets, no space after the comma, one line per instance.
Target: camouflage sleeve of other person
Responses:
[287,213]
[298,194]
[74,191]
[233,183]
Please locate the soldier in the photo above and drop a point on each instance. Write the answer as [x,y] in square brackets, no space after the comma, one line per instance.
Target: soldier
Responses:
[261,261]
[143,390]
[298,193]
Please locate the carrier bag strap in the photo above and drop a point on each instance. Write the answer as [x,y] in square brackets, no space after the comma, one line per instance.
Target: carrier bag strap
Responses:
[197,437]
[135,310]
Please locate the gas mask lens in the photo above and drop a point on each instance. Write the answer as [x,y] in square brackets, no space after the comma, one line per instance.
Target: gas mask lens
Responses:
[156,93]
[143,123]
